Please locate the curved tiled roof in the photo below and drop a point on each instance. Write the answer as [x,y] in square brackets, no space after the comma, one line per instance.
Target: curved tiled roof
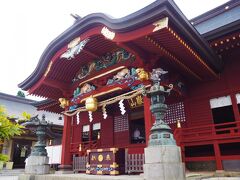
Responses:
[219,21]
[13,98]
[145,16]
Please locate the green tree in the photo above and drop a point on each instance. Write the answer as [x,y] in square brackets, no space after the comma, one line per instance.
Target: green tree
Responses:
[20,94]
[8,128]
[25,117]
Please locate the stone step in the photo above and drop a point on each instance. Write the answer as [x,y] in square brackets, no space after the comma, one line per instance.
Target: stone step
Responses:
[9,172]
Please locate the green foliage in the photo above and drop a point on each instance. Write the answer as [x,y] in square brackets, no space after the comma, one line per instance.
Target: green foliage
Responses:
[8,128]
[20,94]
[25,117]
[4,157]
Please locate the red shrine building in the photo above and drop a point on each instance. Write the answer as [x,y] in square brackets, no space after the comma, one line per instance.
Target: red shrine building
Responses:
[94,71]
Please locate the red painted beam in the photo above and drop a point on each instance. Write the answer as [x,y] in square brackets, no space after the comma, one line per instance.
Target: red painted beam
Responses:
[56,84]
[204,158]
[230,157]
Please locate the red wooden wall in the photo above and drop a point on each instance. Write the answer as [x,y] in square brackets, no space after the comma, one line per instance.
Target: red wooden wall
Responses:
[197,104]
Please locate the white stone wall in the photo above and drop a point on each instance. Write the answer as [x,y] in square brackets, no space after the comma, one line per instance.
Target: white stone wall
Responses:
[16,109]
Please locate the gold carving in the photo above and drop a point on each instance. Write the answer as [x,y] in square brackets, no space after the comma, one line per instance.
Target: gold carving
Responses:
[114,150]
[114,172]
[114,165]
[63,102]
[93,158]
[136,101]
[139,100]
[108,158]
[99,172]
[48,68]
[142,74]
[100,158]
[162,23]
[107,33]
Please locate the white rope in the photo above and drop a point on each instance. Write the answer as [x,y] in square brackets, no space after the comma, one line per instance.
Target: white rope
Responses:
[128,95]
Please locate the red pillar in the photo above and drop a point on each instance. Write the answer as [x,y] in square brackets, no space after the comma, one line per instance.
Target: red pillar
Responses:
[66,140]
[183,153]
[218,156]
[147,117]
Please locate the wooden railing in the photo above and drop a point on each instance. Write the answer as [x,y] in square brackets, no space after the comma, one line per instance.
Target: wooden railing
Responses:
[134,163]
[79,163]
[79,147]
[208,132]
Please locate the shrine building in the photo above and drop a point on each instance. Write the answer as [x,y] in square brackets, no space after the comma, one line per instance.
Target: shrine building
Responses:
[95,71]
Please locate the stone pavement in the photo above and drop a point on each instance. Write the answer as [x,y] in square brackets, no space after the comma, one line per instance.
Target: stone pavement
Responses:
[190,176]
[11,172]
[213,175]
[8,178]
[12,175]
[82,177]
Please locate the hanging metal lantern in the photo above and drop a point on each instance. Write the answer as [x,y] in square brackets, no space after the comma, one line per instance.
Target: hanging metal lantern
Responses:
[91,104]
[142,74]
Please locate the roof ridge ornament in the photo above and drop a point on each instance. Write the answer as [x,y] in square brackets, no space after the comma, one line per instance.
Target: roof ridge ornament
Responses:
[75,16]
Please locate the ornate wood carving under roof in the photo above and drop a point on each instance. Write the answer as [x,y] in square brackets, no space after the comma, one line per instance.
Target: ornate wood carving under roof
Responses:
[158,34]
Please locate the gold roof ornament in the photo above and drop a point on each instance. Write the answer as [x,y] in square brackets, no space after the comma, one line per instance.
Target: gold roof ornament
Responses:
[142,74]
[63,102]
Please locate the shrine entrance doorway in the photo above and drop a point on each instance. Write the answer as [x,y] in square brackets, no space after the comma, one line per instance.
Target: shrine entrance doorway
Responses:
[21,150]
[137,127]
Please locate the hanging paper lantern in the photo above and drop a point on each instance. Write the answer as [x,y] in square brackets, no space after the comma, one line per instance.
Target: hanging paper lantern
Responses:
[91,104]
[142,74]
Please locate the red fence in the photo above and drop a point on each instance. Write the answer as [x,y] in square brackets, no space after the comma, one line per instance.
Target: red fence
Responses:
[212,134]
[221,132]
[83,147]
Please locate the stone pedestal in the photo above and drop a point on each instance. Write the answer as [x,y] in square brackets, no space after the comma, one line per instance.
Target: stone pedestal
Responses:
[37,165]
[163,163]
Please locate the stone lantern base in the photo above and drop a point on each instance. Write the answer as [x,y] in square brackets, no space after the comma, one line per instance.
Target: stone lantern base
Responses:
[163,162]
[37,165]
